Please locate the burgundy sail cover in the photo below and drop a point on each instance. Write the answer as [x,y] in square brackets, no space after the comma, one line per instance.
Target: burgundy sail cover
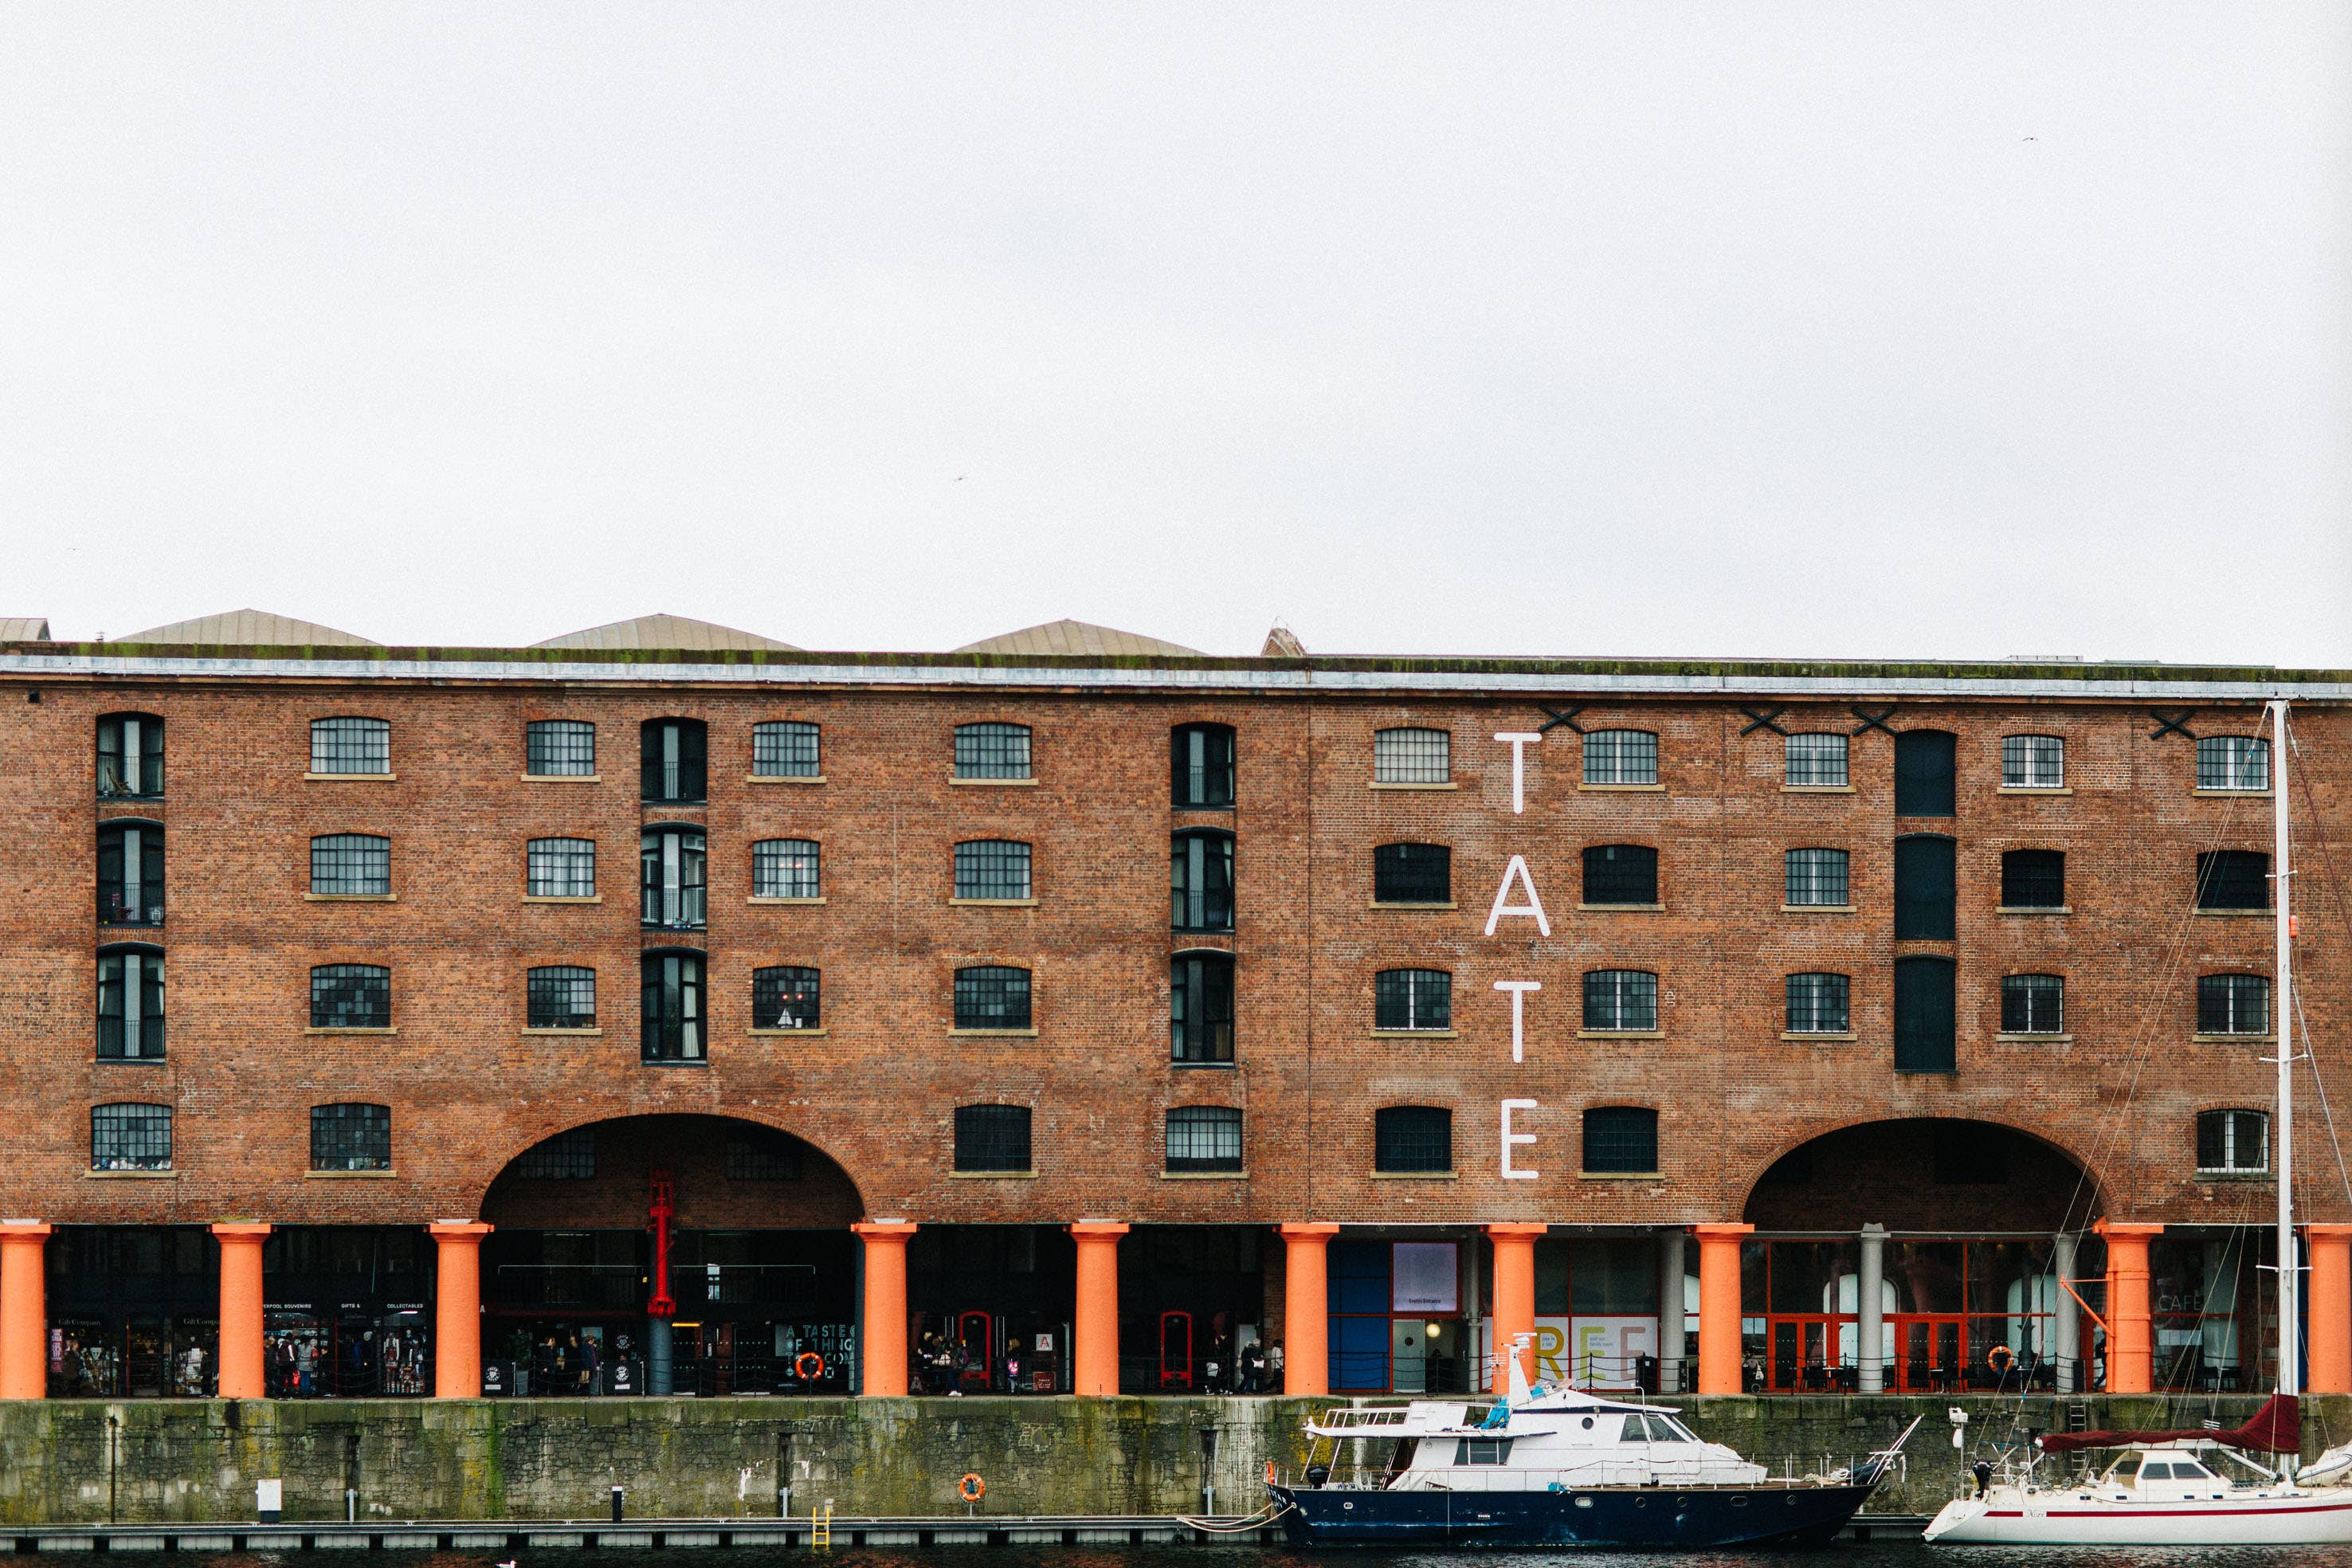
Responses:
[2276,1428]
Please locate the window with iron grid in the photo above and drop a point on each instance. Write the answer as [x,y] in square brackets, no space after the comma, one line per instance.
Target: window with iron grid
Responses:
[786,869]
[1816,761]
[350,997]
[130,1004]
[2033,1005]
[991,751]
[351,746]
[351,1137]
[562,996]
[785,748]
[2234,762]
[1413,757]
[992,1138]
[1204,1138]
[2033,878]
[349,865]
[1413,874]
[1817,877]
[2233,879]
[1621,757]
[2233,1141]
[1412,1138]
[566,1157]
[784,997]
[1412,999]
[1620,1138]
[990,996]
[2233,1004]
[559,748]
[991,868]
[1623,999]
[1819,1005]
[1620,874]
[2032,762]
[131,1138]
[763,1157]
[562,868]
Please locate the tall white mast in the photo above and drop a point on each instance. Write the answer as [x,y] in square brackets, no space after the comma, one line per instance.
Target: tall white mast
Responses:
[2290,1277]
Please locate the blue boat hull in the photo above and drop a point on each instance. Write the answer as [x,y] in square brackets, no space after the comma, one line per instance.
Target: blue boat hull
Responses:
[1594,1516]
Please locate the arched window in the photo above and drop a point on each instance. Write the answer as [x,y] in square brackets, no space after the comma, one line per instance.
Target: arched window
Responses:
[1620,874]
[130,873]
[1819,1005]
[2234,1141]
[671,880]
[1204,1138]
[1926,773]
[992,871]
[1621,757]
[1621,1001]
[2233,1004]
[786,749]
[670,1024]
[1200,879]
[992,996]
[992,751]
[130,1003]
[2233,879]
[1620,1140]
[2034,879]
[785,997]
[559,748]
[351,747]
[1201,1007]
[993,1138]
[130,757]
[2033,1005]
[1413,874]
[1411,756]
[560,867]
[348,996]
[1412,999]
[672,756]
[2032,762]
[352,1137]
[351,866]
[560,996]
[787,868]
[130,1137]
[1201,766]
[1409,1140]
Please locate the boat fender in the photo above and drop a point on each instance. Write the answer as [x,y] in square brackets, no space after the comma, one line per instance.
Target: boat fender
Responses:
[1270,1472]
[972,1488]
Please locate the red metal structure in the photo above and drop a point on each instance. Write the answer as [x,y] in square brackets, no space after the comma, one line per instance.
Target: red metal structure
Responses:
[662,1210]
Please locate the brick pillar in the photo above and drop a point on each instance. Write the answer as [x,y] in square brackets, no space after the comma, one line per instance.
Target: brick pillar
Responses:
[1094,1325]
[2131,1326]
[1515,1299]
[457,1309]
[1307,1310]
[1719,1306]
[241,1363]
[2330,1304]
[24,1309]
[882,1356]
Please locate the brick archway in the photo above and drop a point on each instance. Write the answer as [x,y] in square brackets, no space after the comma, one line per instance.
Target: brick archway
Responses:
[728,1172]
[1926,1174]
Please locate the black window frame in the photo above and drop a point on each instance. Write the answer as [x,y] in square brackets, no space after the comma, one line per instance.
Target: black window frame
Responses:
[1407,754]
[2222,999]
[559,748]
[117,906]
[1412,875]
[787,868]
[569,1156]
[115,994]
[344,738]
[2033,878]
[2219,1133]
[1413,1140]
[120,1141]
[118,780]
[673,1007]
[1201,855]
[1201,766]
[1617,1000]
[689,910]
[1620,1140]
[1808,1000]
[764,1154]
[351,866]
[553,994]
[995,1140]
[350,998]
[1926,887]
[551,868]
[995,749]
[1620,876]
[994,998]
[673,772]
[1817,875]
[2021,761]
[2225,762]
[2233,879]
[2033,1003]
[1201,1009]
[350,1135]
[1926,774]
[778,753]
[1826,762]
[1216,1127]
[1621,759]
[789,996]
[995,871]
[1413,1000]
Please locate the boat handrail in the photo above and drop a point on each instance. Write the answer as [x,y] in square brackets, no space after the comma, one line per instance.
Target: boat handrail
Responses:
[1504,1478]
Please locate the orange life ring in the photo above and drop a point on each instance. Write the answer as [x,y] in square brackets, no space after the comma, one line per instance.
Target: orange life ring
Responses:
[972,1488]
[810,1366]
[2000,1358]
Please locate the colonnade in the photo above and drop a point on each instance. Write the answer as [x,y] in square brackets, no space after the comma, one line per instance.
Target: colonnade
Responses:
[1094,1352]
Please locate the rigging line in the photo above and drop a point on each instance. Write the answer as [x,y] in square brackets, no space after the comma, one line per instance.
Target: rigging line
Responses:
[2311,1055]
[2335,887]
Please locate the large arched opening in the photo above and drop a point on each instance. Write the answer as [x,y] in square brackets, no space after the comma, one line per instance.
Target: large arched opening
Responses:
[761,1268]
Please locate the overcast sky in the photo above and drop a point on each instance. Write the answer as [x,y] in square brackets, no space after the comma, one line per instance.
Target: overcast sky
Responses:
[1864,329]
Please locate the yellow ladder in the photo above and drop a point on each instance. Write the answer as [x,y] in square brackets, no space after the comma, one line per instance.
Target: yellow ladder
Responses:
[821,1527]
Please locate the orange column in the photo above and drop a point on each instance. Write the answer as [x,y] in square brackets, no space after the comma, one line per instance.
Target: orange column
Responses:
[24,1310]
[2330,1318]
[2131,1328]
[457,1310]
[241,1363]
[1514,1298]
[1307,1310]
[1094,1327]
[1719,1306]
[882,1358]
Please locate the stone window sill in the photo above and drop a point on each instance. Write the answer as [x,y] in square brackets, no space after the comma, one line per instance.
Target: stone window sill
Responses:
[2033,909]
[1416,1034]
[796,1033]
[133,1175]
[564,778]
[350,778]
[1204,1175]
[1213,1066]
[2260,914]
[995,1034]
[587,1031]
[1620,1176]
[996,903]
[2033,1039]
[1623,788]
[2033,789]
[564,898]
[695,1062]
[349,1176]
[1378,783]
[354,1029]
[1416,1175]
[757,899]
[1819,1035]
[155,1060]
[2234,1039]
[2262,1177]
[1400,904]
[1817,789]
[991,784]
[350,898]
[784,778]
[1621,1034]
[2233,794]
[1638,909]
[1821,908]
[992,1175]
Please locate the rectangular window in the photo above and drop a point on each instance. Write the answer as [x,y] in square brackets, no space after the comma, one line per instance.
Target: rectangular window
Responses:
[130,874]
[786,869]
[1202,766]
[559,748]
[990,996]
[992,1138]
[785,997]
[1412,999]
[2033,1005]
[2234,762]
[991,868]
[1816,762]
[1412,757]
[1413,1138]
[785,748]
[673,894]
[350,865]
[2233,879]
[2034,879]
[1925,1015]
[763,1157]
[350,997]
[1817,877]
[131,1138]
[1621,757]
[351,746]
[1413,874]
[1620,874]
[1204,1138]
[991,751]
[2032,762]
[1818,1004]
[2233,1004]
[129,1005]
[2233,1141]
[130,757]
[562,868]
[1201,1007]
[1623,1000]
[670,1024]
[1620,1138]
[562,996]
[1201,880]
[566,1157]
[673,753]
[1483,1450]
[1926,889]
[351,1138]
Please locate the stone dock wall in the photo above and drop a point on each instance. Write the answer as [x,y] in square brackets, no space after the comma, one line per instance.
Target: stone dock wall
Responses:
[188,1461]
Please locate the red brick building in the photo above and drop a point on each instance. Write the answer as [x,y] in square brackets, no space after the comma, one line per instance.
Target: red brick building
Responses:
[1138,1008]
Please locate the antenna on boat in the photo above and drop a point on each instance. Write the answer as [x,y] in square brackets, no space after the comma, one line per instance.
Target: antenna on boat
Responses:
[2290,1281]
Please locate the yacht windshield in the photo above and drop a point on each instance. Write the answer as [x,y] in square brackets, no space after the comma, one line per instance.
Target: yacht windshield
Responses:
[1637,1429]
[1665,1431]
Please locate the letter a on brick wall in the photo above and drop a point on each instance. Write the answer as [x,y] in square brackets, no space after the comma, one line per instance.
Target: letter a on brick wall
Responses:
[1518,870]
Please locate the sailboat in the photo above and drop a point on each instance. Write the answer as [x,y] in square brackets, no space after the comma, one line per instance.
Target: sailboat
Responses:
[2201,1488]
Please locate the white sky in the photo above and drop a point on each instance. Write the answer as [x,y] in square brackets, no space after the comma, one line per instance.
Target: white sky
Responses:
[1871,330]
